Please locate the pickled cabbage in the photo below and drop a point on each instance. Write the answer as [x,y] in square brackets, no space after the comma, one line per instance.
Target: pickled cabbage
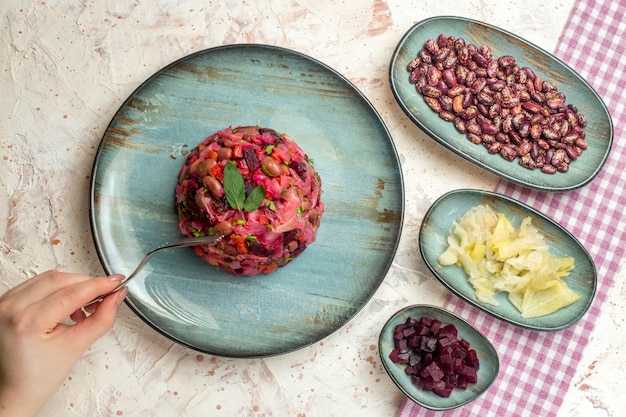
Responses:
[497,257]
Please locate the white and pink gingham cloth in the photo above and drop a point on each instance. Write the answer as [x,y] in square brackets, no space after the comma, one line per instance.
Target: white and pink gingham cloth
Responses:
[535,367]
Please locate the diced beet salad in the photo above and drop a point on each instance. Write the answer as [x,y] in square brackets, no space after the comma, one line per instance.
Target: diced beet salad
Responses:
[435,358]
[259,189]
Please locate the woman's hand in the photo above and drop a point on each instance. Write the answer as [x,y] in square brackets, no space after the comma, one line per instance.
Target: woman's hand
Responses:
[37,350]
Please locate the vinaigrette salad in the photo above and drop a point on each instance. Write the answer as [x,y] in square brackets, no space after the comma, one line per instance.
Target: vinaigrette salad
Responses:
[257,188]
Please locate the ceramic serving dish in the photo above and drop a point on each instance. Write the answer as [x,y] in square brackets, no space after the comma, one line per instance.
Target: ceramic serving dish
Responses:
[451,206]
[487,355]
[599,131]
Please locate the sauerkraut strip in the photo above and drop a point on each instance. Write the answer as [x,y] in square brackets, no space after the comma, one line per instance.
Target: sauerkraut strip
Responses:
[497,257]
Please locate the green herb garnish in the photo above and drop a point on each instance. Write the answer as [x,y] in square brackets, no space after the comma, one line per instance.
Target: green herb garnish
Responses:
[255,198]
[235,190]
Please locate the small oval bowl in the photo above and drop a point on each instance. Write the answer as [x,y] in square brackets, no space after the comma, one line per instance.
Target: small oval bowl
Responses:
[451,206]
[599,129]
[487,355]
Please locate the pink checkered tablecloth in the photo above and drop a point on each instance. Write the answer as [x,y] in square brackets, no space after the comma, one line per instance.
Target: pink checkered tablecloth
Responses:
[536,367]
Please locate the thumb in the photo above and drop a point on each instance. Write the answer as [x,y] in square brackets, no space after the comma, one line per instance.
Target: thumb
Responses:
[100,321]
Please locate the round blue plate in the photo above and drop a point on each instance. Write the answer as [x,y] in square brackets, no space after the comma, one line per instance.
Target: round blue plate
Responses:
[578,92]
[133,185]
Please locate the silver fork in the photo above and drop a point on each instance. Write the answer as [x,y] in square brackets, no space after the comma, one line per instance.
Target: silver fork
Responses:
[190,241]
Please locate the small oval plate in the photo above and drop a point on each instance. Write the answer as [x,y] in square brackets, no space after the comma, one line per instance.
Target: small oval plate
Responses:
[599,129]
[487,355]
[451,206]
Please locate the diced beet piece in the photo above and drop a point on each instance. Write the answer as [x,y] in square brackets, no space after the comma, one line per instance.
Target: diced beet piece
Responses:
[411,321]
[402,345]
[415,357]
[470,374]
[414,341]
[251,159]
[428,344]
[464,344]
[458,365]
[448,350]
[399,328]
[411,370]
[446,356]
[435,371]
[394,356]
[471,358]
[398,334]
[428,382]
[459,352]
[427,321]
[449,330]
[457,381]
[445,341]
[442,389]
[418,381]
[447,368]
[435,326]
[403,357]
[422,330]
[409,331]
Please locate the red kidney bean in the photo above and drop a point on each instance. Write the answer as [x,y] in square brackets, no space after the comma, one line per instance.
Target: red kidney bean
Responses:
[532,107]
[508,152]
[470,112]
[213,185]
[449,77]
[433,103]
[468,99]
[442,54]
[271,167]
[457,90]
[431,91]
[457,104]
[473,127]
[447,115]
[433,75]
[492,69]
[446,103]
[474,138]
[494,148]
[460,125]
[524,148]
[224,153]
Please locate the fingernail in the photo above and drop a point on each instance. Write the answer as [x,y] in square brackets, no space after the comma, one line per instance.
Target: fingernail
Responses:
[121,295]
[116,277]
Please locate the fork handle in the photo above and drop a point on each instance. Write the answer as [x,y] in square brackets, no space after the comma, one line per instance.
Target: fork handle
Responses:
[191,241]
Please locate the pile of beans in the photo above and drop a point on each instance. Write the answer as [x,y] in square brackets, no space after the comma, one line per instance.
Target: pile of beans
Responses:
[508,109]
